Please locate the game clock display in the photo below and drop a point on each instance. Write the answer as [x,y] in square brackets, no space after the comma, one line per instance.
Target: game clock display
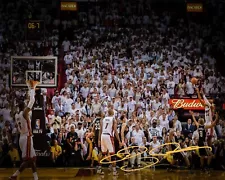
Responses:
[35,30]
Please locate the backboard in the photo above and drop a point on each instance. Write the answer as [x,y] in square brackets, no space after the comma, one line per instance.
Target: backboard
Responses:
[39,68]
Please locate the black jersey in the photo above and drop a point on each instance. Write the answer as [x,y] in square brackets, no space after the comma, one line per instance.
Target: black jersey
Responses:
[119,128]
[97,124]
[96,129]
[202,134]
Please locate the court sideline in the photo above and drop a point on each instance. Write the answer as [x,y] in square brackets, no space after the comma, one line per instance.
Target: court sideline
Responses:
[90,174]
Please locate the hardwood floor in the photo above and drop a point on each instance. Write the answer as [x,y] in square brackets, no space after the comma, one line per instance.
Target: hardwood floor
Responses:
[90,174]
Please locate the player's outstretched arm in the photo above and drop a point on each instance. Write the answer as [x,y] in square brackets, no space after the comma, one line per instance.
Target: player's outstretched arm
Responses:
[214,122]
[31,85]
[206,101]
[194,119]
[199,97]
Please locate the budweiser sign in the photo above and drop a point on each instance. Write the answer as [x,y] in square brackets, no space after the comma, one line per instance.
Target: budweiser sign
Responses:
[187,104]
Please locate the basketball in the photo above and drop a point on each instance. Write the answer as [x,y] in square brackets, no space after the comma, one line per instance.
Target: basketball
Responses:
[194,80]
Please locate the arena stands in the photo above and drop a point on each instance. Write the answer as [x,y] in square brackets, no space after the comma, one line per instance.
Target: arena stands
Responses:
[135,63]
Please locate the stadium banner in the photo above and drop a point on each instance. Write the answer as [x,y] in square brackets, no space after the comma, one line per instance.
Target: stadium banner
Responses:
[41,145]
[68,6]
[195,7]
[186,104]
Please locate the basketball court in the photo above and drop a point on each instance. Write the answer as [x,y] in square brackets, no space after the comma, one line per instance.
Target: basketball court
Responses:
[44,70]
[90,174]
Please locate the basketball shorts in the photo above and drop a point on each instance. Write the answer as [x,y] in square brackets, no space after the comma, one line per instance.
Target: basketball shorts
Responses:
[202,151]
[107,144]
[26,146]
[209,132]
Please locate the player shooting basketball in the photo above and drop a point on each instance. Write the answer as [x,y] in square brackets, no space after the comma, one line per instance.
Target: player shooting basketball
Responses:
[26,140]
[209,112]
[201,128]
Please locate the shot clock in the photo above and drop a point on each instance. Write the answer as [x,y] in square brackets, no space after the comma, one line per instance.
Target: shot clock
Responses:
[35,30]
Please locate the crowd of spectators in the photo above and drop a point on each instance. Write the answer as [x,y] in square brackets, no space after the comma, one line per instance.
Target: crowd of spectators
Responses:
[135,71]
[12,43]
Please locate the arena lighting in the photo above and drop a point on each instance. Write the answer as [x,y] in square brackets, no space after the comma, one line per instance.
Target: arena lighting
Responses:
[195,7]
[167,155]
[68,6]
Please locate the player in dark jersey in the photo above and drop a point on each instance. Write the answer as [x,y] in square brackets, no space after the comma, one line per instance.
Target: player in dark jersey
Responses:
[96,128]
[122,128]
[209,113]
[200,124]
[95,136]
[122,131]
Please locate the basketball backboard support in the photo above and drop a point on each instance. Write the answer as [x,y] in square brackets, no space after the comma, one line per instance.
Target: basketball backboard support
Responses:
[38,68]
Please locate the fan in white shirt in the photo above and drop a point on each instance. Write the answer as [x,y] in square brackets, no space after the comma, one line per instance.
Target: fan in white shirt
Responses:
[165,97]
[177,124]
[56,99]
[138,134]
[112,91]
[68,70]
[122,107]
[171,86]
[73,109]
[80,131]
[164,121]
[85,90]
[207,87]
[66,88]
[161,76]
[68,58]
[50,118]
[6,112]
[131,104]
[189,88]
[68,102]
[176,75]
[154,144]
[197,73]
[156,105]
[66,45]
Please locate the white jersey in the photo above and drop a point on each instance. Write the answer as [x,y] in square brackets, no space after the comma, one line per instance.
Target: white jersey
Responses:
[208,111]
[23,125]
[107,125]
[208,115]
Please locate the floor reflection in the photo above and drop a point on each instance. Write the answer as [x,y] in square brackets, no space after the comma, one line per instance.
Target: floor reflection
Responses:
[158,174]
[90,174]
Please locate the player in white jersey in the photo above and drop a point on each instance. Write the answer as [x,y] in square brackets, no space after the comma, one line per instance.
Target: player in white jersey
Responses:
[26,140]
[108,128]
[209,112]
